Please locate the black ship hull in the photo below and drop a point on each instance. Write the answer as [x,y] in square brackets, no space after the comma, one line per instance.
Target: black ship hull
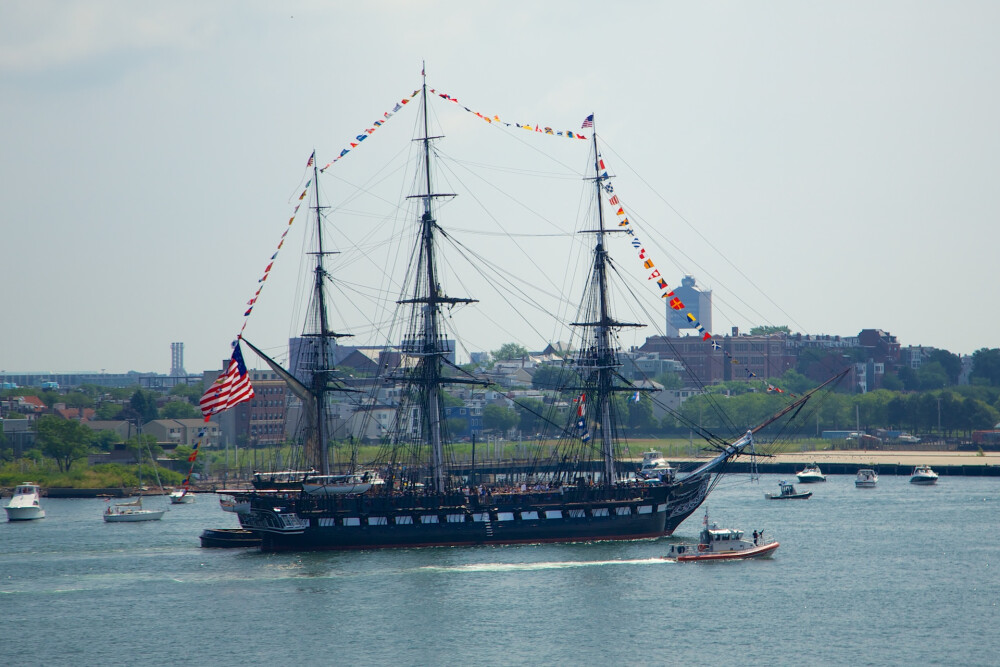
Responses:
[287,522]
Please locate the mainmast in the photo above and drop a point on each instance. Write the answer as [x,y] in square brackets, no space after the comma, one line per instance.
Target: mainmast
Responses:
[429,345]
[602,357]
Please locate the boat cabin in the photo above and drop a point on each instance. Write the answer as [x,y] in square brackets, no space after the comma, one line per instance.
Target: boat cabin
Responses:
[714,535]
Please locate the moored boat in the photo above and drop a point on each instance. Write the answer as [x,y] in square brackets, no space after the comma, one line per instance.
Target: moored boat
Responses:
[866,478]
[786,491]
[811,473]
[25,504]
[181,496]
[923,475]
[130,512]
[716,543]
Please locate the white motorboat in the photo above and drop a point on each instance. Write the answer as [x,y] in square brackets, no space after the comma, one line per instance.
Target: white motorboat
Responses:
[923,475]
[24,506]
[131,512]
[654,466]
[329,485]
[181,496]
[810,473]
[866,479]
[716,543]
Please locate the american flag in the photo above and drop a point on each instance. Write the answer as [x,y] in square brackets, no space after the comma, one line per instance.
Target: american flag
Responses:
[588,122]
[230,388]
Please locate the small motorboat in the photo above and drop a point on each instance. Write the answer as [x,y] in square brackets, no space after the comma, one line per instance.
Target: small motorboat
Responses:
[24,506]
[866,479]
[181,496]
[923,475]
[810,473]
[654,466]
[228,538]
[722,544]
[787,492]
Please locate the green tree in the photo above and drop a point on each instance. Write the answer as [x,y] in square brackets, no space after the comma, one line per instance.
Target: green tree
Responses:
[986,367]
[795,382]
[670,380]
[892,382]
[109,411]
[498,418]
[951,363]
[179,410]
[77,399]
[769,330]
[62,440]
[509,351]
[105,440]
[142,405]
[932,375]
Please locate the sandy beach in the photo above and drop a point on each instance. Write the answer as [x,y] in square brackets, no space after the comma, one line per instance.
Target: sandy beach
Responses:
[878,457]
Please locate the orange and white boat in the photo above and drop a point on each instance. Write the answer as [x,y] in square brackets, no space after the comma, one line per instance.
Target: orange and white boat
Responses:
[723,544]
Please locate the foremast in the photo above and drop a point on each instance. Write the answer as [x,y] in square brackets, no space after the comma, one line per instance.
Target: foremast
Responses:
[599,355]
[427,343]
[323,336]
[317,328]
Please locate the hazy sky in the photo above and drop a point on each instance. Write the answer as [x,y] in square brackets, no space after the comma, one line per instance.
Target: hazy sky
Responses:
[831,166]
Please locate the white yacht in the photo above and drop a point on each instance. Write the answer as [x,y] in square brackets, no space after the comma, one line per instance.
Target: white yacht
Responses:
[24,506]
[654,466]
[866,479]
[810,473]
[923,475]
[181,496]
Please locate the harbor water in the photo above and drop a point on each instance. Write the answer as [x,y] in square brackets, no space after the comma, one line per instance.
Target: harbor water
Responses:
[898,574]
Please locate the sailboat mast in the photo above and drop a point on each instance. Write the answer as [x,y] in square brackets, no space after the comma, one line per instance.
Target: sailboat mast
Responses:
[320,376]
[432,370]
[603,345]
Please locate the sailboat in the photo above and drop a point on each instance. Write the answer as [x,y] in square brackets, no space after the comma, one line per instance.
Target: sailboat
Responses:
[417,496]
[132,511]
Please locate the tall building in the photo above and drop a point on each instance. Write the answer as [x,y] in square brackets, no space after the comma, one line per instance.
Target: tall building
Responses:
[177,360]
[698,302]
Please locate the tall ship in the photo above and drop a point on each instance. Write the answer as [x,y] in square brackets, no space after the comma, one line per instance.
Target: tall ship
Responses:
[414,493]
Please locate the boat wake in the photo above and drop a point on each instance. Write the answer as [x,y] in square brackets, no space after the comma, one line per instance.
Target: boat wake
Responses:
[529,567]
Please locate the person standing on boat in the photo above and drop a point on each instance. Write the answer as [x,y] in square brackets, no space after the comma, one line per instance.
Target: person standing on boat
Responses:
[755,538]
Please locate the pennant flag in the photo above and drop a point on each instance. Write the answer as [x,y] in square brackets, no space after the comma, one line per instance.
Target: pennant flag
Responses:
[588,122]
[231,387]
[312,158]
[636,397]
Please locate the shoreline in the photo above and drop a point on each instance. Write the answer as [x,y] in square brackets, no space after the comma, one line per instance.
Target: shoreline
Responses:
[847,462]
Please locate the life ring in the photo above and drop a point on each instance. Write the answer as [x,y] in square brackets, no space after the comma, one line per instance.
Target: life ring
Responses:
[702,547]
